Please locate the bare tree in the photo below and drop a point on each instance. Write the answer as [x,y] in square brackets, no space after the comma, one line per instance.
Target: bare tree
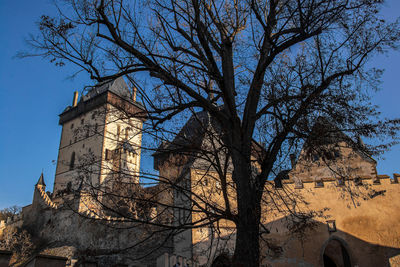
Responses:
[9,212]
[261,70]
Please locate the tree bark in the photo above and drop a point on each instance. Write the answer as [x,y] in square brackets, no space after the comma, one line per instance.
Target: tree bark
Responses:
[247,250]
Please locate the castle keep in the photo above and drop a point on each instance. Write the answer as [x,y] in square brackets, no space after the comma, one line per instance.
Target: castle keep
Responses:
[100,149]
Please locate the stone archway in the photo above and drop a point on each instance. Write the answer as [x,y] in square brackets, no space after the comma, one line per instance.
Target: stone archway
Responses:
[222,260]
[335,254]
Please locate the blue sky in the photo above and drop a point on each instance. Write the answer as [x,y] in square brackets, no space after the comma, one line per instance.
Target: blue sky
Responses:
[33,92]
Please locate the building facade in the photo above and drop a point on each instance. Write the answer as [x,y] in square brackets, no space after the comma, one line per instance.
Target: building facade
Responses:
[331,208]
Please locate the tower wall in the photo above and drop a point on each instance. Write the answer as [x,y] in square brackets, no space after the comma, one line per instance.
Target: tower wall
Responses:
[80,150]
[100,140]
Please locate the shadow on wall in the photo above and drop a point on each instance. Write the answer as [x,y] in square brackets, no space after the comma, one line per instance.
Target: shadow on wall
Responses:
[322,244]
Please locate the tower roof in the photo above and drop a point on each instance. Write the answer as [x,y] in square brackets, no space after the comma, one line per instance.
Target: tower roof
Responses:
[117,86]
[115,92]
[41,180]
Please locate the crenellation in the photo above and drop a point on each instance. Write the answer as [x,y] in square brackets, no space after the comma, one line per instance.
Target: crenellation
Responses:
[373,180]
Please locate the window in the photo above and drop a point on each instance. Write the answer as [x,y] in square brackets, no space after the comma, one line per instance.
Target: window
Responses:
[127,133]
[278,183]
[72,126]
[357,181]
[331,225]
[108,154]
[336,154]
[95,128]
[319,183]
[118,131]
[72,161]
[93,116]
[82,121]
[87,132]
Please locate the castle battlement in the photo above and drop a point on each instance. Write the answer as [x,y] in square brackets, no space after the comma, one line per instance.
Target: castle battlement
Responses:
[358,180]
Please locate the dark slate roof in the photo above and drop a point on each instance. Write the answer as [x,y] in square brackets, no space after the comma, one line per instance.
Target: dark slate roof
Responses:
[193,138]
[190,136]
[41,180]
[324,132]
[117,86]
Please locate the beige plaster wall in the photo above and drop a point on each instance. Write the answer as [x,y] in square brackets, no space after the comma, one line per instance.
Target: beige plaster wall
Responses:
[367,226]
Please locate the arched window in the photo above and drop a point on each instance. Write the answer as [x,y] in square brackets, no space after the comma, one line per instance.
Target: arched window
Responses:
[72,161]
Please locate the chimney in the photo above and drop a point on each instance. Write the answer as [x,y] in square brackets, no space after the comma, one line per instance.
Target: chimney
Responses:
[75,100]
[134,94]
[292,160]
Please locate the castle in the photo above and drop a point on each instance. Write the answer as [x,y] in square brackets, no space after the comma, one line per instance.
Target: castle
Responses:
[100,150]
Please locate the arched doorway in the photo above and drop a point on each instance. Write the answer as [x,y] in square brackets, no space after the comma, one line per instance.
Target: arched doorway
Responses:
[336,255]
[222,260]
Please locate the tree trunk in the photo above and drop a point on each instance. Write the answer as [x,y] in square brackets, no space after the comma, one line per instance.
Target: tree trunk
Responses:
[247,249]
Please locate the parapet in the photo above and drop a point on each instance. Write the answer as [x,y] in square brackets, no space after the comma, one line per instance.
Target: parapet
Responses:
[359,180]
[46,199]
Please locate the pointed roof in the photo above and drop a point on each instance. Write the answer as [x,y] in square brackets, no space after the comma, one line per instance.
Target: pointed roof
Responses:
[325,132]
[41,180]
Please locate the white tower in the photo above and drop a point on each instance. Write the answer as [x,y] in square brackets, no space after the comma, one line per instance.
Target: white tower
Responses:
[101,138]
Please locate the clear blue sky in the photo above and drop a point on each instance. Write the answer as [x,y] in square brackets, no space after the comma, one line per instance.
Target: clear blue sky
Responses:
[33,92]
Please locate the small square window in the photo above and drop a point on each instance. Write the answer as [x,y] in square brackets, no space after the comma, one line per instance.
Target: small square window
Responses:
[319,183]
[340,182]
[278,183]
[358,181]
[331,226]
